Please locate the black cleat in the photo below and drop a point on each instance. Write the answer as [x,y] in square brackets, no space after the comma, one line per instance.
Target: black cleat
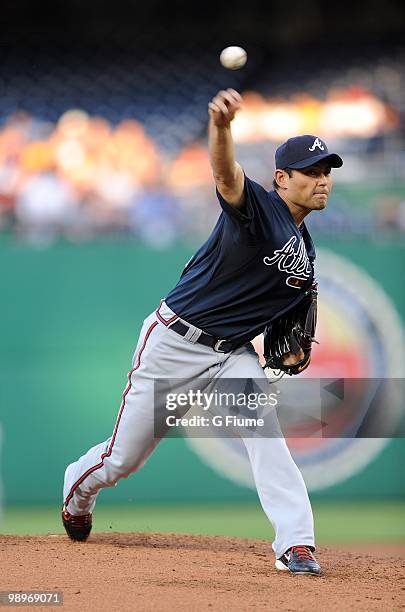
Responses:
[77,527]
[299,560]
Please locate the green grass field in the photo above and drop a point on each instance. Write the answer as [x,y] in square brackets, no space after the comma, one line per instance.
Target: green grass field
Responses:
[335,522]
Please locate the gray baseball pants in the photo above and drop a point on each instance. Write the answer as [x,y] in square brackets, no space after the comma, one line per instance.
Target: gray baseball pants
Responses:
[163,353]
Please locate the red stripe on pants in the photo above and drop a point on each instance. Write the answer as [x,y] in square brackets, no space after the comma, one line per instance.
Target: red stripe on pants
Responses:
[121,410]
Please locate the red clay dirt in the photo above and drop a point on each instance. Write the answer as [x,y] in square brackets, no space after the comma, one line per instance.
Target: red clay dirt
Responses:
[172,572]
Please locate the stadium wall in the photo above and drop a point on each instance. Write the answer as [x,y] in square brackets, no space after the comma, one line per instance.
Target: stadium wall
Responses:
[70,318]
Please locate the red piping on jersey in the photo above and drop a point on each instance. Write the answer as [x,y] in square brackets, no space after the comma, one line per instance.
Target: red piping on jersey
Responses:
[121,410]
[162,320]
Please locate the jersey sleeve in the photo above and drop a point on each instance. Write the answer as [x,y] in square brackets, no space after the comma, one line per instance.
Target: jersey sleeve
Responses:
[252,212]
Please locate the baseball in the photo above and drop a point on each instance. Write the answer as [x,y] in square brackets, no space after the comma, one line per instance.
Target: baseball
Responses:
[233,57]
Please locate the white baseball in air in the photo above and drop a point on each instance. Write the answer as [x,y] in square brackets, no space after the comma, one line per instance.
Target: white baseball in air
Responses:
[233,58]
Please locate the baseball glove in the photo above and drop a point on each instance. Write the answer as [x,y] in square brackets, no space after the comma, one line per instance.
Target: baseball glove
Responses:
[290,333]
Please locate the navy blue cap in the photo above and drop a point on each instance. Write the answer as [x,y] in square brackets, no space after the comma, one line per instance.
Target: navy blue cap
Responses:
[303,151]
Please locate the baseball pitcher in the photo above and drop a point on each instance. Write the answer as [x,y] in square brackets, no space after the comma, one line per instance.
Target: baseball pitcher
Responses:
[254,274]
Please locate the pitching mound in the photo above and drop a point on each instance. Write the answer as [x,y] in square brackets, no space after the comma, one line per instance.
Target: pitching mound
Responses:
[154,571]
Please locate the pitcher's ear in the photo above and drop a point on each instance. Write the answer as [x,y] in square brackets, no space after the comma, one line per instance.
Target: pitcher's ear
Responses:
[281,178]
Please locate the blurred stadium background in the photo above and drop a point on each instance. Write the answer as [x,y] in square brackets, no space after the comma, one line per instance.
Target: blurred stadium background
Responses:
[106,191]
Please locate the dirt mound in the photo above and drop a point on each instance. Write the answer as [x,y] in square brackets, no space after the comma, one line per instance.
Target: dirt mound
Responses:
[155,571]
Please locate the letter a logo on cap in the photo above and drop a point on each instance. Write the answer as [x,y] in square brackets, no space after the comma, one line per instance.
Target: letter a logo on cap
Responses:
[317,143]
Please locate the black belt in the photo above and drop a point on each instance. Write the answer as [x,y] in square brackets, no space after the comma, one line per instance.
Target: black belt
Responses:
[220,346]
